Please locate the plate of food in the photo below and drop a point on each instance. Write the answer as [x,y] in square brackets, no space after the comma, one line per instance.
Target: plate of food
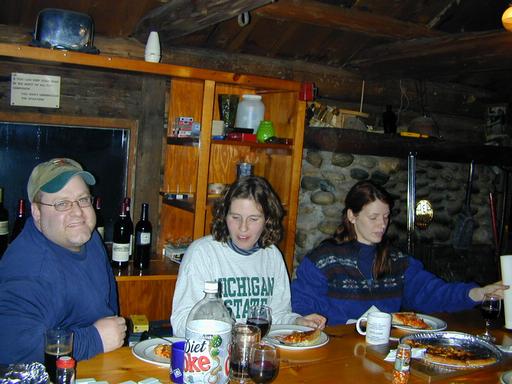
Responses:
[506,378]
[417,322]
[155,351]
[454,350]
[296,337]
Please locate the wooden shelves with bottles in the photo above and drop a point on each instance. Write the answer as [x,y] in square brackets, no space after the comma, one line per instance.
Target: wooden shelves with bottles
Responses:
[191,165]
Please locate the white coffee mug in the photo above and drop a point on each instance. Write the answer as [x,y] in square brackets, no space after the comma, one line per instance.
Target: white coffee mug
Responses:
[378,327]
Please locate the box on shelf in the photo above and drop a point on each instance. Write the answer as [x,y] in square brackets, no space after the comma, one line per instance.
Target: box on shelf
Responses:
[218,128]
[241,136]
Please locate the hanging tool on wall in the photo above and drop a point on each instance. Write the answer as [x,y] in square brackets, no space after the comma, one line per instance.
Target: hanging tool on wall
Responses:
[462,237]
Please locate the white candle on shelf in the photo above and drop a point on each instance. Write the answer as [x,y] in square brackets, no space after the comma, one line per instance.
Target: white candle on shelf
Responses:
[152,52]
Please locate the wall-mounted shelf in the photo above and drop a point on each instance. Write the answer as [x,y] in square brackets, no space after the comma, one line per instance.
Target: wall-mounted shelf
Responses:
[378,144]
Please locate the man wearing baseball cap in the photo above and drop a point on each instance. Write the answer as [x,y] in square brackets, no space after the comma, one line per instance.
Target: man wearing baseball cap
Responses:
[56,274]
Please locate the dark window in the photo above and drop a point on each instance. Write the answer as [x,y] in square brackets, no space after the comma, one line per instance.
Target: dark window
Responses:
[101,151]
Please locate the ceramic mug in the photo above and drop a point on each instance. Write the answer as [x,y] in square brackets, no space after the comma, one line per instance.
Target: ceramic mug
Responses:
[378,327]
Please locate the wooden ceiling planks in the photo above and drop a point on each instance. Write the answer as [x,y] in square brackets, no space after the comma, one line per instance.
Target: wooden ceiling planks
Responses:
[182,17]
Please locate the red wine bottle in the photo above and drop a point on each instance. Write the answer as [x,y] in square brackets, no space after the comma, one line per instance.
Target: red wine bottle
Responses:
[100,221]
[4,224]
[121,240]
[19,222]
[127,203]
[143,232]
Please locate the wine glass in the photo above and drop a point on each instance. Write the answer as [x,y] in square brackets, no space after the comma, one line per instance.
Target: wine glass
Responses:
[261,317]
[263,363]
[490,308]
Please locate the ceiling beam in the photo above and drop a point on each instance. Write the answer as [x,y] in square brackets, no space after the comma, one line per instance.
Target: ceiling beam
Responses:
[456,53]
[183,17]
[350,20]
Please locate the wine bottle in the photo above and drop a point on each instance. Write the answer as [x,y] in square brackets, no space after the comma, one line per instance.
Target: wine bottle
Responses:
[127,202]
[100,221]
[4,224]
[19,222]
[121,241]
[143,231]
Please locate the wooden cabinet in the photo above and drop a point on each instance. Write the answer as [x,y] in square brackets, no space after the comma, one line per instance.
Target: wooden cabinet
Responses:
[191,164]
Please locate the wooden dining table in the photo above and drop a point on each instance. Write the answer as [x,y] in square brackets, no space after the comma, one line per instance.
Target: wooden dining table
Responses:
[344,359]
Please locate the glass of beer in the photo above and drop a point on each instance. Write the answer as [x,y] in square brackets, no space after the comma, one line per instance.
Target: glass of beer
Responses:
[58,343]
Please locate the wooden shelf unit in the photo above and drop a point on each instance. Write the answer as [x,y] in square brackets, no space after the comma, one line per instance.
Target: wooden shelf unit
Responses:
[192,164]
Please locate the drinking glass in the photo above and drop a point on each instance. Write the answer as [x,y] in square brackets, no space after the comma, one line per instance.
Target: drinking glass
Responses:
[490,308]
[261,317]
[263,363]
[58,343]
[243,338]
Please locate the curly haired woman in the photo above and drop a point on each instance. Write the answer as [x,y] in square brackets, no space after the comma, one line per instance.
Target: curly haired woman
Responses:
[241,254]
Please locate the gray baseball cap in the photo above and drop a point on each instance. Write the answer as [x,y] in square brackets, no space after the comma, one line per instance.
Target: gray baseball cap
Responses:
[51,176]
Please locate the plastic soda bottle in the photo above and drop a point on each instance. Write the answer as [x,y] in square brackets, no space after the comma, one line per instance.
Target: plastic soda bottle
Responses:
[208,335]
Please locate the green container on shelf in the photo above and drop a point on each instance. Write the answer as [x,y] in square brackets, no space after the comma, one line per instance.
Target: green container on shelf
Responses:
[265,131]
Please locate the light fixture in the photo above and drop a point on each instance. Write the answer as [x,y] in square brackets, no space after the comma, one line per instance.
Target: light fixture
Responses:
[506,19]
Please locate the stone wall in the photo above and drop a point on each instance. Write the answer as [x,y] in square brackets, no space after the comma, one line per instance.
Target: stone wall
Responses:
[327,177]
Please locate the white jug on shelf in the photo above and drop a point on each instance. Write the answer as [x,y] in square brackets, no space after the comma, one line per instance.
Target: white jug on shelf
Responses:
[250,112]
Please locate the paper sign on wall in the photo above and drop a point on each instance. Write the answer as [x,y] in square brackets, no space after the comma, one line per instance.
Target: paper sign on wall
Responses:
[31,90]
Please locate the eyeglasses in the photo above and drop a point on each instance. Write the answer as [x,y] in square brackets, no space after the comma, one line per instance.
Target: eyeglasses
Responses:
[66,205]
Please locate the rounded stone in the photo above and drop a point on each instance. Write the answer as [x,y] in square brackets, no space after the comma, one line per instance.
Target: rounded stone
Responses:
[342,159]
[310,183]
[322,198]
[359,174]
[328,227]
[379,177]
[314,158]
[368,162]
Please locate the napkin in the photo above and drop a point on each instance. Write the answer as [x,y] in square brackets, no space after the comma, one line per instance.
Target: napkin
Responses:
[416,353]
[373,308]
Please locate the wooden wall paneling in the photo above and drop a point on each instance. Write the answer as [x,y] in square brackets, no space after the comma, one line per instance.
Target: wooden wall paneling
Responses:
[204,158]
[280,108]
[222,162]
[149,150]
[180,169]
[84,92]
[175,224]
[150,297]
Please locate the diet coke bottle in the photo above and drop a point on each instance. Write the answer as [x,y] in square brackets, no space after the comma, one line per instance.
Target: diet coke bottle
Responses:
[208,335]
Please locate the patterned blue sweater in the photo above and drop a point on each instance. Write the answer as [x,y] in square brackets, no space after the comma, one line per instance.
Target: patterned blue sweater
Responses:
[336,281]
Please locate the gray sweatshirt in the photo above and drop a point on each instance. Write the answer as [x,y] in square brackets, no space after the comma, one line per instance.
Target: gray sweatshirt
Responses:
[260,278]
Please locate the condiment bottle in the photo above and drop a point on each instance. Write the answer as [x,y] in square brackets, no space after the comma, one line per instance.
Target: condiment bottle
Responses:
[65,370]
[402,364]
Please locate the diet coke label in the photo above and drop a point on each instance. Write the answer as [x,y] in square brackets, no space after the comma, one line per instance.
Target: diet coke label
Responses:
[206,352]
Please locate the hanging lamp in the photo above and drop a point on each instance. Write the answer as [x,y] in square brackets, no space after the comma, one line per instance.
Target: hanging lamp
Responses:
[506,19]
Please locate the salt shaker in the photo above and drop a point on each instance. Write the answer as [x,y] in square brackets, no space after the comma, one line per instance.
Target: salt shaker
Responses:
[65,370]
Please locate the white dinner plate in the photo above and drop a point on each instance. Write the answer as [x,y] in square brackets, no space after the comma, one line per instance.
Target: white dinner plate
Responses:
[506,378]
[284,330]
[435,324]
[145,351]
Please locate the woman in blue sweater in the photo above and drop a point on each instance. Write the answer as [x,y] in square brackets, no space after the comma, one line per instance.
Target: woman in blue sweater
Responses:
[344,276]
